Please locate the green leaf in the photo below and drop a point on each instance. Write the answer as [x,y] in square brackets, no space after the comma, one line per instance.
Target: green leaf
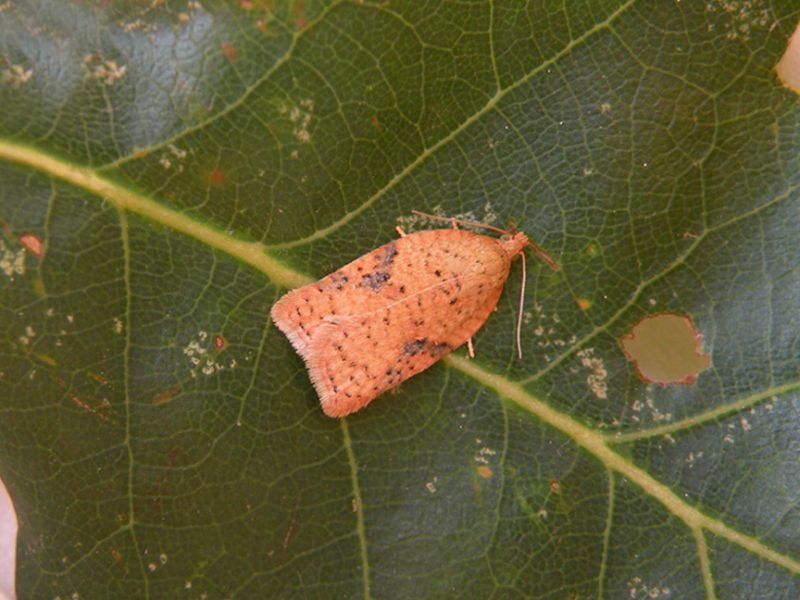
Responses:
[182,164]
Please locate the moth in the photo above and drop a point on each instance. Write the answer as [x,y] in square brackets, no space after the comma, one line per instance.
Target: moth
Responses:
[397,310]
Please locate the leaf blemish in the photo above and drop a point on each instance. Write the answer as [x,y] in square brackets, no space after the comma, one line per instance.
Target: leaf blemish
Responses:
[229,51]
[666,349]
[596,380]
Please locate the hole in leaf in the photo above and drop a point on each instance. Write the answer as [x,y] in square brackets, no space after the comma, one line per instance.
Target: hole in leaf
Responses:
[666,349]
[8,543]
[788,68]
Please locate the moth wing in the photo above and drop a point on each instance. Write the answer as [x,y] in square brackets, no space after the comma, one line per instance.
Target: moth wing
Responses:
[300,312]
[353,359]
[395,271]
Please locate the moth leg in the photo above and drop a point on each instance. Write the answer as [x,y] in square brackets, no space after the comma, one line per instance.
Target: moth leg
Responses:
[400,231]
[454,222]
[470,348]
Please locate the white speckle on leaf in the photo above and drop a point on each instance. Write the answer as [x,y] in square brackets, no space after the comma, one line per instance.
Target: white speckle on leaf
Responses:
[107,72]
[202,358]
[16,75]
[482,454]
[138,25]
[596,380]
[693,458]
[431,485]
[739,17]
[178,153]
[489,216]
[639,589]
[410,223]
[12,262]
[300,115]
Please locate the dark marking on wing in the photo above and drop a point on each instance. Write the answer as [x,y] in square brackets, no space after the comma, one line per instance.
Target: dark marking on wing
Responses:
[415,347]
[389,255]
[438,349]
[374,281]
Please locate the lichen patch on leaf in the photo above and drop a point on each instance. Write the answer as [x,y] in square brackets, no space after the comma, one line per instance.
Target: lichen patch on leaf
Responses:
[666,349]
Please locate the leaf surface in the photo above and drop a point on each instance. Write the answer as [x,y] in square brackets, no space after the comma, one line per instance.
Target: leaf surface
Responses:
[168,171]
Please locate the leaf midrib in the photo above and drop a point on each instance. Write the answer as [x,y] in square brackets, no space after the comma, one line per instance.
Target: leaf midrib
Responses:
[254,254]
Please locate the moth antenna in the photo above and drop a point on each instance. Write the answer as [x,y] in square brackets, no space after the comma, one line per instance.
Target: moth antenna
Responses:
[453,220]
[521,307]
[546,258]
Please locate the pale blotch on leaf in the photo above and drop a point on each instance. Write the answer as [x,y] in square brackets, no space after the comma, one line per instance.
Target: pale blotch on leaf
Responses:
[12,261]
[788,68]
[666,349]
[229,51]
[16,75]
[97,68]
[596,379]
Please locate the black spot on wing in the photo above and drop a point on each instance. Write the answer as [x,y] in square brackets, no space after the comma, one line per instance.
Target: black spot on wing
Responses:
[414,347]
[389,255]
[438,349]
[374,281]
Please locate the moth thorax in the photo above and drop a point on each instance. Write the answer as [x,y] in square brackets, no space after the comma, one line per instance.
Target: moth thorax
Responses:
[515,244]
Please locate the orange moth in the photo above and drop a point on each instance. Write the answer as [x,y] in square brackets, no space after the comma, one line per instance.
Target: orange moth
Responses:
[397,310]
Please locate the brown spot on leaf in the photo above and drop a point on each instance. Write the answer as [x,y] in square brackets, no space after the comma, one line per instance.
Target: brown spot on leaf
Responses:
[484,472]
[217,177]
[99,378]
[33,244]
[230,52]
[167,395]
[666,349]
